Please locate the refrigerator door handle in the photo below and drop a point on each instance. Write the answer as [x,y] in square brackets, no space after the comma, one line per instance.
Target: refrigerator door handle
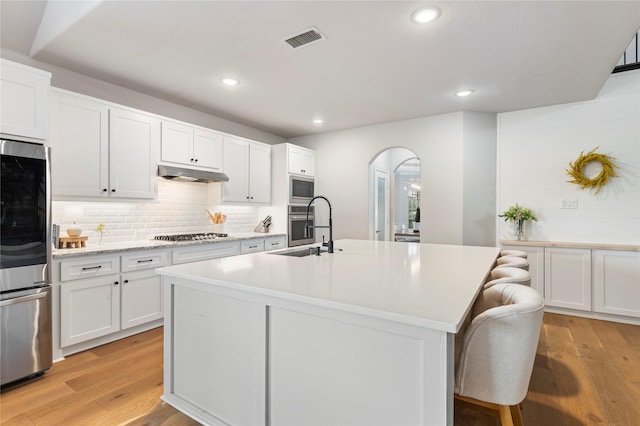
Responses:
[22,299]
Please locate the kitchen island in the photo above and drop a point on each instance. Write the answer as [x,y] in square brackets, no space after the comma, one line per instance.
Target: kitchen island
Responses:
[362,336]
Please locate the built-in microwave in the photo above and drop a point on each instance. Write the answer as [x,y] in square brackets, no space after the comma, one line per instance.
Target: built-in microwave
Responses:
[301,189]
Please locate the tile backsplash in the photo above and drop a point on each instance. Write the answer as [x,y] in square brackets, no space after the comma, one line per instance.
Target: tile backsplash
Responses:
[180,208]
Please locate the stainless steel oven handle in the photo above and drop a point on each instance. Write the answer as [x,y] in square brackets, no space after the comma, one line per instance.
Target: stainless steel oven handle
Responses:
[300,217]
[22,299]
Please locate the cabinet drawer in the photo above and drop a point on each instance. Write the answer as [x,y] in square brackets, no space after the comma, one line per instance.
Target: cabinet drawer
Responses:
[252,246]
[144,260]
[205,252]
[89,267]
[274,243]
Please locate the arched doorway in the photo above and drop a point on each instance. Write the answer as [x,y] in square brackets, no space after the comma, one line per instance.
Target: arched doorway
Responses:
[393,195]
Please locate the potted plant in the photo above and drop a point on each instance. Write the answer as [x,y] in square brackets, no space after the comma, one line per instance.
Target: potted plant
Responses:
[518,215]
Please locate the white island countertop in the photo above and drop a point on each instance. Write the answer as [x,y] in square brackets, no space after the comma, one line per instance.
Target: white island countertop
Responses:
[426,285]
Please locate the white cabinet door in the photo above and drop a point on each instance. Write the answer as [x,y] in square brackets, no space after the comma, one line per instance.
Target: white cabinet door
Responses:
[89,309]
[24,94]
[535,257]
[260,174]
[177,143]
[207,149]
[80,146]
[191,146]
[142,300]
[236,167]
[616,281]
[301,161]
[568,278]
[248,166]
[133,145]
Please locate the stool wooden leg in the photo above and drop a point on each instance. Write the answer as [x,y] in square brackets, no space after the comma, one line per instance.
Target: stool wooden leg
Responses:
[517,415]
[505,415]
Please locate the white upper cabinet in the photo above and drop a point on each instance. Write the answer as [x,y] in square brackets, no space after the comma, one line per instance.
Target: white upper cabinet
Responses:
[24,94]
[133,145]
[302,161]
[192,146]
[248,165]
[102,151]
[80,146]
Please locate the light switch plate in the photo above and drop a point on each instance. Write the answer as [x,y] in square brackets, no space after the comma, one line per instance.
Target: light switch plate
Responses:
[568,203]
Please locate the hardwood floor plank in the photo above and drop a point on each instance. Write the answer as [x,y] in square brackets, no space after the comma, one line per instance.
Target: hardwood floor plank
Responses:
[119,368]
[25,397]
[21,420]
[615,397]
[131,342]
[573,396]
[151,384]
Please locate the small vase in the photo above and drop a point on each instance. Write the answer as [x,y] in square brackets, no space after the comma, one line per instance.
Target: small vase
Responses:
[218,228]
[518,229]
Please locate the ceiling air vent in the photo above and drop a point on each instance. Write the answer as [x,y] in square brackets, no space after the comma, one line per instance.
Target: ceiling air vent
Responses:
[309,36]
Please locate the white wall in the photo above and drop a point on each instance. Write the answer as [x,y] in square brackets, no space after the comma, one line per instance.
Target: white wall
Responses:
[343,158]
[479,214]
[535,147]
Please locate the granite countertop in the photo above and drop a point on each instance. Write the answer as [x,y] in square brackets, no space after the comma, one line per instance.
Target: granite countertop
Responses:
[125,246]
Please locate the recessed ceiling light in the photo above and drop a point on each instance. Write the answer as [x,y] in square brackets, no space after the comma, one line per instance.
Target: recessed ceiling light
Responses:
[425,14]
[229,81]
[318,121]
[463,93]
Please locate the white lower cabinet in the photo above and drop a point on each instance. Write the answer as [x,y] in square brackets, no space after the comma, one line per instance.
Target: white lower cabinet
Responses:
[96,299]
[89,309]
[567,282]
[616,282]
[141,297]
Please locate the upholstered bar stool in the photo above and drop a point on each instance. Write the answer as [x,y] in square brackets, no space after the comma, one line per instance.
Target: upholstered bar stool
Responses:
[516,262]
[508,274]
[499,346]
[517,253]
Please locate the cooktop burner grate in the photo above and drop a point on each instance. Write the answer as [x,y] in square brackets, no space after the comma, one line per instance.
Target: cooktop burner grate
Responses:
[202,236]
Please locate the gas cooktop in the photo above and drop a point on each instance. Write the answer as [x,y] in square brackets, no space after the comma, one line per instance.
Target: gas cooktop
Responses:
[203,236]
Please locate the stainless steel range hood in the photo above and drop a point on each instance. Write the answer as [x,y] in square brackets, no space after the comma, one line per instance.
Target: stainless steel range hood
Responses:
[190,175]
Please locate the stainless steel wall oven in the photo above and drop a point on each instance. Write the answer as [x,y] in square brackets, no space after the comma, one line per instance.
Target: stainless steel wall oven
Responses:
[25,250]
[297,221]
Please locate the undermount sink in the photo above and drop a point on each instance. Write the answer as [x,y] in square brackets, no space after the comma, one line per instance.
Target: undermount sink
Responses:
[300,252]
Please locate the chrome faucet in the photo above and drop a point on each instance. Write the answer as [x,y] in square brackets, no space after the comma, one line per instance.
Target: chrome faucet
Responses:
[329,244]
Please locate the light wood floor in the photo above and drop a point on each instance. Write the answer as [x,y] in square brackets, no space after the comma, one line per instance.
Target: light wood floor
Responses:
[587,372]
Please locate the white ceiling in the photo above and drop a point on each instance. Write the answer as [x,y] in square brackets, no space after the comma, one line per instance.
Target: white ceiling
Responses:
[374,66]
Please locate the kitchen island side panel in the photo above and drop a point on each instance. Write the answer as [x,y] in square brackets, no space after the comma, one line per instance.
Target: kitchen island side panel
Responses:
[234,357]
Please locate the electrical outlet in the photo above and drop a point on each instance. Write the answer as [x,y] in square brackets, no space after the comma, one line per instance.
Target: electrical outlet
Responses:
[568,204]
